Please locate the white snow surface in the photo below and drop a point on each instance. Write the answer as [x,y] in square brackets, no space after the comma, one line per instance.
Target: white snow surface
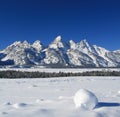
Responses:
[57,70]
[53,97]
[85,99]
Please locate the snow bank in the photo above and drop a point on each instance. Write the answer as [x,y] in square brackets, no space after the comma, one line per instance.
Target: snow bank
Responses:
[85,99]
[19,105]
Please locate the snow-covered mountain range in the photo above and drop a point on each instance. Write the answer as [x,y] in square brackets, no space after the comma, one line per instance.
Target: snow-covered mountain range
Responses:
[58,54]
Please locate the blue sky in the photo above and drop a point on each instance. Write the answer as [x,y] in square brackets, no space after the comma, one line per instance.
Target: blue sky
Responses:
[96,20]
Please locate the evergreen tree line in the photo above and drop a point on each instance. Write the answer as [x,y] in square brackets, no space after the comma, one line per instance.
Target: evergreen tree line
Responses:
[21,74]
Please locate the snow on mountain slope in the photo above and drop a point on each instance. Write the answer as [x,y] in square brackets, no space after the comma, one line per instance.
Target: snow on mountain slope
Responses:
[86,54]
[103,53]
[59,54]
[20,52]
[115,57]
[55,54]
[117,51]
[73,45]
[78,58]
[100,51]
[85,47]
[55,58]
[38,46]
[16,52]
[58,44]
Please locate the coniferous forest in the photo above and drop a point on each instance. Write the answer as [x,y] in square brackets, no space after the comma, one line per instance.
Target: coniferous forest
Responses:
[23,74]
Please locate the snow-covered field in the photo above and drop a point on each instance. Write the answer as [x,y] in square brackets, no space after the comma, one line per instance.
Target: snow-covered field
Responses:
[66,70]
[53,97]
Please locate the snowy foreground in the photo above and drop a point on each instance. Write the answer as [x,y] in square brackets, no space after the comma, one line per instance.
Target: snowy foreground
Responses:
[56,97]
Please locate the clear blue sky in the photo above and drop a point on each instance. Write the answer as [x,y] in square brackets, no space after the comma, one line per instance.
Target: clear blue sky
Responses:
[96,20]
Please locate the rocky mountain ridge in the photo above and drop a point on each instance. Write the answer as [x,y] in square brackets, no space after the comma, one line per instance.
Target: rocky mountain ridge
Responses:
[58,54]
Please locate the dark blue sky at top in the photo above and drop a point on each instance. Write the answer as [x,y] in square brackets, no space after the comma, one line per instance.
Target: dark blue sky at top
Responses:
[98,21]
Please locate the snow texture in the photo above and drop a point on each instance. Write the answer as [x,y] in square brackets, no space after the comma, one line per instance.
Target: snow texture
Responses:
[85,99]
[54,97]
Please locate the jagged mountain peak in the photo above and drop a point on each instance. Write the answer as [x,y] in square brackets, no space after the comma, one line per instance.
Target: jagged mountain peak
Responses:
[117,51]
[59,53]
[20,44]
[25,42]
[85,47]
[37,45]
[15,43]
[37,42]
[72,44]
[58,39]
[100,48]
[70,41]
[58,43]
[84,43]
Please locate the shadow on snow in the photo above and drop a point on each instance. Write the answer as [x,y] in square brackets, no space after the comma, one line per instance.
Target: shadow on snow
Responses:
[108,104]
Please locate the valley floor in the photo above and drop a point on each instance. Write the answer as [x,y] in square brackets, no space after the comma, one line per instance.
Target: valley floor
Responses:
[53,97]
[57,70]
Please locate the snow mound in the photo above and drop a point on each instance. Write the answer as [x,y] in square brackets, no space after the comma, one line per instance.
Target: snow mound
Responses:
[19,105]
[7,103]
[118,92]
[85,99]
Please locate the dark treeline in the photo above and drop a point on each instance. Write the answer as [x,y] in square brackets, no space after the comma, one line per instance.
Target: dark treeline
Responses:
[21,74]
